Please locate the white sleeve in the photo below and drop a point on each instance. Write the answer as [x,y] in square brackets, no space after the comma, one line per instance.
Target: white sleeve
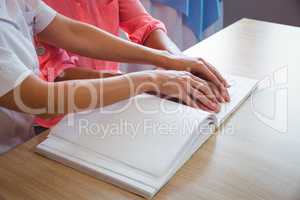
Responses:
[43,16]
[12,71]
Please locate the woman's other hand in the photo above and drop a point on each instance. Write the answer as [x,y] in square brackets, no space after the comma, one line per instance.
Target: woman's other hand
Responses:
[200,68]
[185,87]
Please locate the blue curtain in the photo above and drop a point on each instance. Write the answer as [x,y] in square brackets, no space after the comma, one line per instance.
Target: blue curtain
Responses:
[198,14]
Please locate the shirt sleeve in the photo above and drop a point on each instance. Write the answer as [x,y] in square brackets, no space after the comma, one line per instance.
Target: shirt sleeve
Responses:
[136,21]
[12,71]
[43,16]
[53,61]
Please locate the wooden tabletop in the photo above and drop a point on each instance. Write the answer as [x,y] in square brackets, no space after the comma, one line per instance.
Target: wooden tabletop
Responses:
[255,155]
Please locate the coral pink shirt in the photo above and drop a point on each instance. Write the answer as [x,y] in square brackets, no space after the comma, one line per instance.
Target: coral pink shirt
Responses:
[109,15]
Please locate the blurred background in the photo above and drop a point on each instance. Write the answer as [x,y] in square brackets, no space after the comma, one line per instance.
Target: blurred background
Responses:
[278,11]
[190,21]
[187,21]
[216,14]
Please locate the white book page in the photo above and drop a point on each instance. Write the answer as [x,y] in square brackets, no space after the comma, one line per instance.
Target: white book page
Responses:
[147,136]
[115,146]
[239,91]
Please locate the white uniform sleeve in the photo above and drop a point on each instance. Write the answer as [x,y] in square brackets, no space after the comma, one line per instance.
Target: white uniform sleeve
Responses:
[43,16]
[12,71]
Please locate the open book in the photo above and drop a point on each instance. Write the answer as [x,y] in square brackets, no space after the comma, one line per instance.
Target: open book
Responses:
[140,143]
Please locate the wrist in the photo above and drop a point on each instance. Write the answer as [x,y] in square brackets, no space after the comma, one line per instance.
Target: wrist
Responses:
[171,61]
[145,81]
[164,59]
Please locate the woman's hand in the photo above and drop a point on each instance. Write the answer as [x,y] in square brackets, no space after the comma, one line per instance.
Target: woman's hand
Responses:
[185,87]
[200,68]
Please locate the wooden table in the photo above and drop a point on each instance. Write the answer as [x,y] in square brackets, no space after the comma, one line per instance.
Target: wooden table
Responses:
[253,156]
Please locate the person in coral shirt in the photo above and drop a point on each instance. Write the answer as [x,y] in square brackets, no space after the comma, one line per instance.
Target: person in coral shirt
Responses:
[110,15]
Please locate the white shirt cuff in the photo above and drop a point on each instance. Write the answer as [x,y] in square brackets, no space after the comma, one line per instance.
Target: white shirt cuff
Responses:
[44,16]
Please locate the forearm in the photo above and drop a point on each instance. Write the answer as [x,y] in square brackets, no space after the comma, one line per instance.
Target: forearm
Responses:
[158,39]
[89,41]
[37,97]
[91,94]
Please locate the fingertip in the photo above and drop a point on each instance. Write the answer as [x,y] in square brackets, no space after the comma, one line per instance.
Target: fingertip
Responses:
[228,99]
[221,100]
[227,96]
[226,85]
[215,107]
[218,108]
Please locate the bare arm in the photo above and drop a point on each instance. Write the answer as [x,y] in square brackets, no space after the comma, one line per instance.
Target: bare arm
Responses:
[34,96]
[92,42]
[158,39]
[89,41]
[38,97]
